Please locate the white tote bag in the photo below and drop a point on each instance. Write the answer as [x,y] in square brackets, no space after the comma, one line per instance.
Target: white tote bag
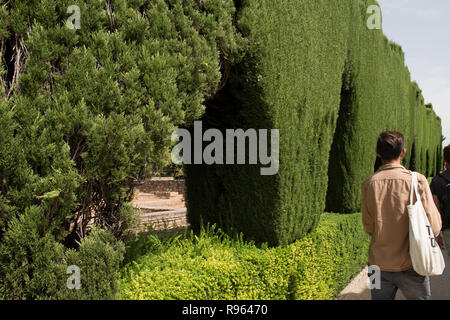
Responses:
[426,256]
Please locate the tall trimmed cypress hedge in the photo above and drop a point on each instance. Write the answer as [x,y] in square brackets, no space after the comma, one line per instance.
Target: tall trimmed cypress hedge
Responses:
[378,97]
[330,85]
[290,80]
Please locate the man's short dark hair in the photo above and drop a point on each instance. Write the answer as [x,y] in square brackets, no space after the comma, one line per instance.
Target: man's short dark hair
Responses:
[447,154]
[390,145]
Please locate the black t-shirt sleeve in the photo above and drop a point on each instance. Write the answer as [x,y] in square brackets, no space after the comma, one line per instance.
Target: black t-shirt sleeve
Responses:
[438,186]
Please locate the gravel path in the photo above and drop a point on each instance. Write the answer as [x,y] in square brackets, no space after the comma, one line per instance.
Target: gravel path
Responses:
[358,289]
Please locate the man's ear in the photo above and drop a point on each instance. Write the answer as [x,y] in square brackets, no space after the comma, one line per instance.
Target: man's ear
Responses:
[378,155]
[402,155]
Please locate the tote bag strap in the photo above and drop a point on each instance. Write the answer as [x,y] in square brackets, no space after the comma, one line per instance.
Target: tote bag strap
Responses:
[414,188]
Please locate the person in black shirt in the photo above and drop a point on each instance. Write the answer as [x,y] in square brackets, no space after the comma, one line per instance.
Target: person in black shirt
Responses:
[440,188]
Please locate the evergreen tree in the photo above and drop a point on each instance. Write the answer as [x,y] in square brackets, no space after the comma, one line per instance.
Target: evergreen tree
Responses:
[88,111]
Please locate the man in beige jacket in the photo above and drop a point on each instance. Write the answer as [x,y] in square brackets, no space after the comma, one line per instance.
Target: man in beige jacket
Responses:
[385,197]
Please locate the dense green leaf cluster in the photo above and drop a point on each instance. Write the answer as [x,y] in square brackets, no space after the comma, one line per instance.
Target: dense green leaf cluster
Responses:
[316,72]
[212,265]
[86,112]
[33,265]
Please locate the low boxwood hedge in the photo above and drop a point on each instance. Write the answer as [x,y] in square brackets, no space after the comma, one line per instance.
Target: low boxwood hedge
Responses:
[213,265]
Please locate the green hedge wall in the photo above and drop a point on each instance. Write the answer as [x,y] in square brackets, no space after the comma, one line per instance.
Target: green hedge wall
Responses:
[378,96]
[330,85]
[290,79]
[214,266]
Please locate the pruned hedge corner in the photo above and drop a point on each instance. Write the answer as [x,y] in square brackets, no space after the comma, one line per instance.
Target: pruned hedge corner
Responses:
[330,85]
[86,113]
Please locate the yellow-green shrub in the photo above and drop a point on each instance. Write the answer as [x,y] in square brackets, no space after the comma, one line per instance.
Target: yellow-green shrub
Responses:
[214,266]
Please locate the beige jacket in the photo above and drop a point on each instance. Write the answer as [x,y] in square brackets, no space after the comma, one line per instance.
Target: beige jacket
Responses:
[385,197]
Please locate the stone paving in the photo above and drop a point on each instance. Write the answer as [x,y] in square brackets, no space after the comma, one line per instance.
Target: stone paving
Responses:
[358,289]
[160,204]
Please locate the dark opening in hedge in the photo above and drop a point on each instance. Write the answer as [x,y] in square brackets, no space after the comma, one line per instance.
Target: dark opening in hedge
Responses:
[338,165]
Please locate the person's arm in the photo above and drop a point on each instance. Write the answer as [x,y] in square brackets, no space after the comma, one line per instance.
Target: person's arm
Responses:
[367,218]
[437,202]
[439,239]
[434,216]
[436,190]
